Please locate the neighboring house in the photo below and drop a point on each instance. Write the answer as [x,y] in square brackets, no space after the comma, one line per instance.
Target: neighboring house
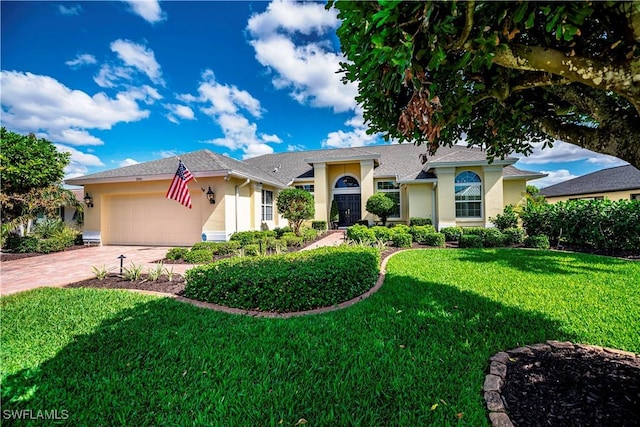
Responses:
[622,182]
[457,186]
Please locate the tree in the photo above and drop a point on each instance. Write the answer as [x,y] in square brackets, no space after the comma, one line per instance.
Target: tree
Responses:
[295,205]
[32,171]
[505,74]
[380,205]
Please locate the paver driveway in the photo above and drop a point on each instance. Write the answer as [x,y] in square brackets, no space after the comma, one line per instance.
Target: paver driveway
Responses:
[62,268]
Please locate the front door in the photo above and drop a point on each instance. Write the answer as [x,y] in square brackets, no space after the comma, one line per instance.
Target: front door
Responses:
[348,209]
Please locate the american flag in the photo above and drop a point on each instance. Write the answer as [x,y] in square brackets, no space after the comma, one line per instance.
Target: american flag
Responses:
[178,189]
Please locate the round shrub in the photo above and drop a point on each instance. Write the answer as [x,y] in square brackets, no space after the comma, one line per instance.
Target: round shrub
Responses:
[419,221]
[291,240]
[252,249]
[400,228]
[280,231]
[470,241]
[537,242]
[433,239]
[513,236]
[419,233]
[27,244]
[319,225]
[452,234]
[174,254]
[401,240]
[382,233]
[289,282]
[492,238]
[204,245]
[198,256]
[361,234]
[309,235]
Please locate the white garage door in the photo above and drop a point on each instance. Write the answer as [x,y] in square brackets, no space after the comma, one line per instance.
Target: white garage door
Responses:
[151,219]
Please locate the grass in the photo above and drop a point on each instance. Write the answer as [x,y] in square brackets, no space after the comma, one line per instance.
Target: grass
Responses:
[415,353]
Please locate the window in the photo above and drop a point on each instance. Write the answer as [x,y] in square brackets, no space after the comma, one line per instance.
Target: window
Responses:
[267,205]
[306,187]
[347,182]
[588,198]
[392,190]
[635,196]
[468,195]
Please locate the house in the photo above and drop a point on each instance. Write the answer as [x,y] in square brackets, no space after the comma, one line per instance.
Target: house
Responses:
[622,182]
[456,186]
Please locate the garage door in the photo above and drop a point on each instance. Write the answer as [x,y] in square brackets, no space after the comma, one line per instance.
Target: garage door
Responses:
[151,219]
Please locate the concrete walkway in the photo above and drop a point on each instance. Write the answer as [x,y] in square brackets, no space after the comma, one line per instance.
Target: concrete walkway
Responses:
[61,268]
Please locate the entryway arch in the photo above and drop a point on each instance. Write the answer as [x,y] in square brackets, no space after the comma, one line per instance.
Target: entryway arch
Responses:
[346,192]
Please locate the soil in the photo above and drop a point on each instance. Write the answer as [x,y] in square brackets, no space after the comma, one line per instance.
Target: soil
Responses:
[572,387]
[10,256]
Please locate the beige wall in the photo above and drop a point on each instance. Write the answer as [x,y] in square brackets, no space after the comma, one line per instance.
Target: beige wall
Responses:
[321,192]
[366,188]
[613,195]
[493,199]
[445,193]
[514,191]
[419,201]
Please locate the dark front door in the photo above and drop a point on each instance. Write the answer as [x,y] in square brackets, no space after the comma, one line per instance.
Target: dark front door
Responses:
[348,209]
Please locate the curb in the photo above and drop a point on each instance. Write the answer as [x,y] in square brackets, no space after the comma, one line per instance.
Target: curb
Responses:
[497,375]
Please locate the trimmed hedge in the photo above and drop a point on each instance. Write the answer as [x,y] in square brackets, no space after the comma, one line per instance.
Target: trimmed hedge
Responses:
[174,254]
[285,283]
[361,234]
[537,242]
[433,239]
[452,234]
[470,241]
[319,225]
[401,240]
[248,237]
[414,221]
[198,256]
[382,233]
[419,233]
[492,238]
[513,236]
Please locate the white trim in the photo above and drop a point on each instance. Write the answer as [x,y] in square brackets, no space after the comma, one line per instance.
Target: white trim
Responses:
[469,184]
[215,236]
[346,190]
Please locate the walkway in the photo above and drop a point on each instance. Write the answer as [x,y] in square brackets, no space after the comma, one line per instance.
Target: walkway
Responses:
[61,268]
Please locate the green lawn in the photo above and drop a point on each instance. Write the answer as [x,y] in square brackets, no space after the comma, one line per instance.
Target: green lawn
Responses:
[415,353]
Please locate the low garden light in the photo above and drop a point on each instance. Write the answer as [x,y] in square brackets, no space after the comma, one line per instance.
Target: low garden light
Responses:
[88,200]
[121,258]
[211,196]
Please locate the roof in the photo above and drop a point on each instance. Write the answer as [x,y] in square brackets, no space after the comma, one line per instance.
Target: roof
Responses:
[402,162]
[613,179]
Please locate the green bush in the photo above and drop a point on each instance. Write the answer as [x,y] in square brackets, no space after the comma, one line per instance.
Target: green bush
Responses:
[247,237]
[281,230]
[309,235]
[508,219]
[419,232]
[291,240]
[361,234]
[492,238]
[381,233]
[47,228]
[400,228]
[401,240]
[52,244]
[27,244]
[513,236]
[175,254]
[452,234]
[470,241]
[319,225]
[433,239]
[252,249]
[285,283]
[198,256]
[474,231]
[414,221]
[537,242]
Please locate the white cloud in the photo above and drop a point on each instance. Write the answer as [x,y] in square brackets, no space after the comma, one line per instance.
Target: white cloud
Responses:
[80,162]
[226,105]
[554,177]
[140,58]
[563,152]
[71,10]
[356,137]
[109,75]
[36,103]
[296,147]
[167,153]
[178,111]
[149,10]
[81,59]
[308,71]
[128,162]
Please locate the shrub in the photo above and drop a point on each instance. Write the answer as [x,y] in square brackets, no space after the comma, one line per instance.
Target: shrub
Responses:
[53,244]
[419,221]
[27,244]
[252,249]
[309,235]
[204,245]
[381,233]
[247,237]
[492,238]
[291,240]
[281,230]
[133,272]
[101,273]
[433,239]
[400,228]
[419,232]
[381,205]
[452,234]
[47,228]
[401,240]
[198,256]
[474,231]
[319,225]
[296,205]
[470,241]
[360,234]
[508,219]
[284,283]
[513,236]
[537,242]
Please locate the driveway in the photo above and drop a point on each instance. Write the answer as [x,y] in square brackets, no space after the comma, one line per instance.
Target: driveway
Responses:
[61,268]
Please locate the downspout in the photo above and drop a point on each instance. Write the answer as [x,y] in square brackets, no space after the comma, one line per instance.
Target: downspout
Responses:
[434,208]
[238,195]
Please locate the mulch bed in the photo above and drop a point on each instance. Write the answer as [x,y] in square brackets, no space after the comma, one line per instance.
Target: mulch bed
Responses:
[9,256]
[572,387]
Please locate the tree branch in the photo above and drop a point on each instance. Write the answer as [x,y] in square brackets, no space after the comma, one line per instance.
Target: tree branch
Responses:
[468,25]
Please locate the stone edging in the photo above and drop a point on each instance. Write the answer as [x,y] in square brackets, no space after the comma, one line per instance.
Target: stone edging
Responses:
[494,380]
[273,315]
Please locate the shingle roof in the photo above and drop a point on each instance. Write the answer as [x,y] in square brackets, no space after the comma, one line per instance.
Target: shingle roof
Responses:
[606,180]
[400,161]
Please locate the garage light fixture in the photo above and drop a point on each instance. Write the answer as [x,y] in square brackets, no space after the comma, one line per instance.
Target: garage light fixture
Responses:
[211,196]
[88,200]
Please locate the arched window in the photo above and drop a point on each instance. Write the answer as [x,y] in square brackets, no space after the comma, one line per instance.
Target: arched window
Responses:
[468,195]
[347,182]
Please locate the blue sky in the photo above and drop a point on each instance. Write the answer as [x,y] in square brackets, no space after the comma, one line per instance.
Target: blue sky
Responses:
[121,82]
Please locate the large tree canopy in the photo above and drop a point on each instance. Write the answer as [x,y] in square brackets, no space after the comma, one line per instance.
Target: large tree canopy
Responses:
[506,74]
[32,171]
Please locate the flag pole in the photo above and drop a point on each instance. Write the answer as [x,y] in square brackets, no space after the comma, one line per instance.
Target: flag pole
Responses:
[194,178]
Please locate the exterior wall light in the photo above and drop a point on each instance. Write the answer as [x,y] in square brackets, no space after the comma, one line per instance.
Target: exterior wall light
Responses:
[88,200]
[211,196]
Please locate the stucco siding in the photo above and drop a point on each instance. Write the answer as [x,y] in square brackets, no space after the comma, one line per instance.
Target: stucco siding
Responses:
[613,195]
[514,191]
[419,200]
